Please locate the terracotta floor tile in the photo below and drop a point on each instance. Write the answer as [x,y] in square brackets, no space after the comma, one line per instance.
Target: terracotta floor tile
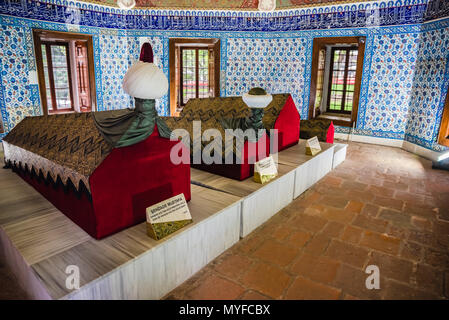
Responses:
[353,185]
[355,206]
[400,291]
[371,210]
[269,280]
[333,229]
[436,258]
[318,268]
[308,222]
[254,295]
[298,239]
[397,218]
[352,234]
[318,244]
[334,201]
[333,181]
[216,288]
[340,215]
[233,266]
[392,267]
[381,242]
[353,281]
[275,252]
[388,202]
[381,191]
[348,253]
[412,251]
[381,206]
[429,278]
[370,223]
[306,289]
[250,244]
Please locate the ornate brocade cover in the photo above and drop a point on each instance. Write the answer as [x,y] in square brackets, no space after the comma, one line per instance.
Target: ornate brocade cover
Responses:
[67,146]
[231,107]
[210,110]
[212,123]
[314,127]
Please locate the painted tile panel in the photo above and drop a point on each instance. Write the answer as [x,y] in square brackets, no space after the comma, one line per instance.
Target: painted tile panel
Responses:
[391,81]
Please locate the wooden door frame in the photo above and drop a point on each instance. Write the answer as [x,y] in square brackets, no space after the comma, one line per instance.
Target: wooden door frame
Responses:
[320,43]
[208,42]
[40,33]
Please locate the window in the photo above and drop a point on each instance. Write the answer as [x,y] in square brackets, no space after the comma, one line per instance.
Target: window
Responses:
[342,79]
[337,65]
[194,70]
[82,76]
[320,79]
[194,74]
[65,70]
[443,137]
[58,83]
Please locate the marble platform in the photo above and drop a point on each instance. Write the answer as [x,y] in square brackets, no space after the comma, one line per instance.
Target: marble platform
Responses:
[308,169]
[297,172]
[339,154]
[39,242]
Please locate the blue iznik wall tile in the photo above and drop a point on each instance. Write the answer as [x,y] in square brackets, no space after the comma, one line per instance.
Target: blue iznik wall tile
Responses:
[430,86]
[390,82]
[405,76]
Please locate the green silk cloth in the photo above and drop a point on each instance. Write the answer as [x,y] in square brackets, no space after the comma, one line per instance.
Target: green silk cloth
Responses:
[254,121]
[121,128]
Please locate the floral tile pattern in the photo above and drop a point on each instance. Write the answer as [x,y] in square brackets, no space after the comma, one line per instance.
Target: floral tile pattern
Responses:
[114,63]
[14,76]
[391,82]
[331,15]
[405,76]
[274,64]
[430,84]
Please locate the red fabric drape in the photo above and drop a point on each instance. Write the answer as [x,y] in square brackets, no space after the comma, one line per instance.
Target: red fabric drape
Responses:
[129,180]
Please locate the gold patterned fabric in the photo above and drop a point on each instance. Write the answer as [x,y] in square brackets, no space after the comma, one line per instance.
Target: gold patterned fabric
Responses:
[182,123]
[314,127]
[205,109]
[67,146]
[211,110]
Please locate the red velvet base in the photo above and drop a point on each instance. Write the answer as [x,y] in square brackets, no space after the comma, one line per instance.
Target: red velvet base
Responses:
[287,125]
[133,178]
[330,133]
[128,181]
[253,152]
[77,206]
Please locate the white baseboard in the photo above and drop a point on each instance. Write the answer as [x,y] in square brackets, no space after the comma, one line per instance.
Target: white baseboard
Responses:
[421,151]
[367,139]
[405,145]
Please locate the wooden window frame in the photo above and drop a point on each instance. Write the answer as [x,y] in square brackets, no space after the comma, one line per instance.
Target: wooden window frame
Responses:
[329,84]
[48,45]
[181,66]
[320,43]
[443,136]
[83,83]
[323,70]
[184,42]
[39,37]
